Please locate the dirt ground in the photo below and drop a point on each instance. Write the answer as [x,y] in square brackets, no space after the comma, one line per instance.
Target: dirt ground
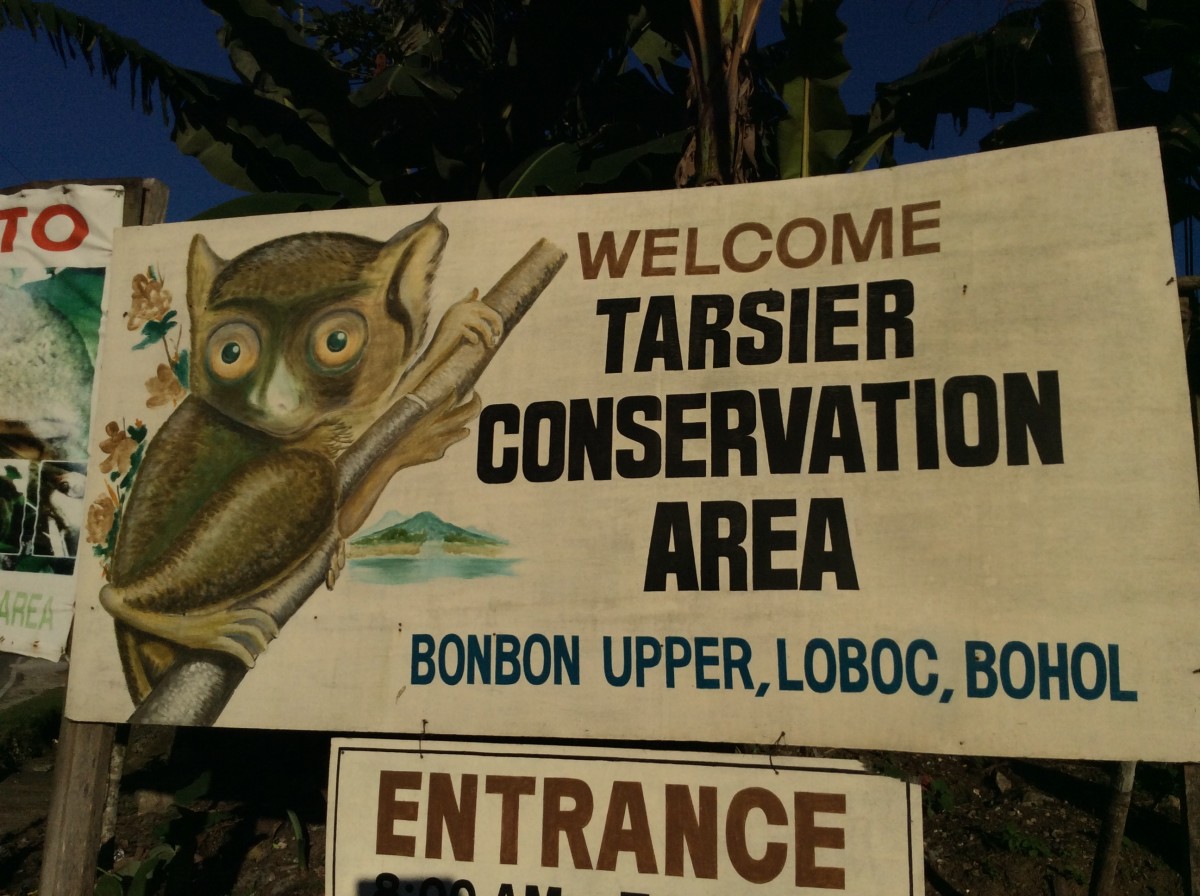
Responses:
[243,812]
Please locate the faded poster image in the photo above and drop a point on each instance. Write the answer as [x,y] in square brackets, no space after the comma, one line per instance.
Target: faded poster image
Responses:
[54,246]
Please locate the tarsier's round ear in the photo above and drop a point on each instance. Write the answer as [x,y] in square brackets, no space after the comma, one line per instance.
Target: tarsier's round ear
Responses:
[405,267]
[202,269]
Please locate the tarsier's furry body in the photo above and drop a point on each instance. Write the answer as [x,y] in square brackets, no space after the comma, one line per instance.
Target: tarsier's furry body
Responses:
[297,346]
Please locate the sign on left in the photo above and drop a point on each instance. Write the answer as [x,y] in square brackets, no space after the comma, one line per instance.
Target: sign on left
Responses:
[55,246]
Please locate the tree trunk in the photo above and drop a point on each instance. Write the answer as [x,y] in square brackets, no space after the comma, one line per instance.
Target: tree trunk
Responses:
[1094,86]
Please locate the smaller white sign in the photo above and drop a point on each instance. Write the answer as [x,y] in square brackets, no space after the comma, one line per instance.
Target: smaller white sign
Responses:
[503,820]
[68,225]
[55,245]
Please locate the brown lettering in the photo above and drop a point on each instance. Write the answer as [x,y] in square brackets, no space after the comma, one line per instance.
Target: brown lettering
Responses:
[690,265]
[910,225]
[696,829]
[556,820]
[391,810]
[809,837]
[844,232]
[652,250]
[744,267]
[606,254]
[783,247]
[456,816]
[511,788]
[627,800]
[761,870]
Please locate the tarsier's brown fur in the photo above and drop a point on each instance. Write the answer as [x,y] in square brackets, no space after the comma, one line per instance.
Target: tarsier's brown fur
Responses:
[297,346]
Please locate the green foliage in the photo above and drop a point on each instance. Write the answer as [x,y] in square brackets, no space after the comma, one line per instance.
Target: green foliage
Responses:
[156,330]
[399,101]
[1014,840]
[941,796]
[1024,66]
[301,837]
[430,100]
[816,129]
[169,866]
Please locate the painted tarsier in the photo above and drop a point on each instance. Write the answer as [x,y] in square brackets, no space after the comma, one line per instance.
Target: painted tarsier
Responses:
[297,346]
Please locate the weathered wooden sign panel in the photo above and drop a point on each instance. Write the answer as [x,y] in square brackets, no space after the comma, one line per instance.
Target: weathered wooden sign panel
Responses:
[899,459]
[54,246]
[474,820]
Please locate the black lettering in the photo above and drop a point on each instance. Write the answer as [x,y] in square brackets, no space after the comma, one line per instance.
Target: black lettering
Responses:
[629,465]
[880,320]
[554,415]
[591,437]
[508,417]
[617,310]
[1037,415]
[660,336]
[679,431]
[671,552]
[927,424]
[785,439]
[751,315]
[702,331]
[835,409]
[827,515]
[768,540]
[798,327]
[830,319]
[716,546]
[885,397]
[987,421]
[727,436]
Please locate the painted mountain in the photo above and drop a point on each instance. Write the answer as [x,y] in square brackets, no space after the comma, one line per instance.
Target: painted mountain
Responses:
[395,535]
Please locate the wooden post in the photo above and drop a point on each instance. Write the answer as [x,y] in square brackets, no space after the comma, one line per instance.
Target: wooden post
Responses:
[1112,831]
[1191,824]
[1101,116]
[85,749]
[1190,805]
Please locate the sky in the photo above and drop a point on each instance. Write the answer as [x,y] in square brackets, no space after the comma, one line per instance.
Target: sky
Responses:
[64,123]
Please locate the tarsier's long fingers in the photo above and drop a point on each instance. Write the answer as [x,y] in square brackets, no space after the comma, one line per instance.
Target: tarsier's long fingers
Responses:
[245,635]
[242,632]
[462,414]
[336,564]
[448,424]
[486,325]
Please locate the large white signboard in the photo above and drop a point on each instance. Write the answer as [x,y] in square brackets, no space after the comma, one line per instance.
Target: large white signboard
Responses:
[54,247]
[898,460]
[457,821]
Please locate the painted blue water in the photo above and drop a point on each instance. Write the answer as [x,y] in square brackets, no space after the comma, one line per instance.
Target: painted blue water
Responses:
[425,567]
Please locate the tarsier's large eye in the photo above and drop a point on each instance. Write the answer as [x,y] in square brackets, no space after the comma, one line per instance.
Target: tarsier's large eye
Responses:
[233,350]
[337,341]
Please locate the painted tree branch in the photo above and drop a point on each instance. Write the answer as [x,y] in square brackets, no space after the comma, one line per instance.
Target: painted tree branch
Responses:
[196,689]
